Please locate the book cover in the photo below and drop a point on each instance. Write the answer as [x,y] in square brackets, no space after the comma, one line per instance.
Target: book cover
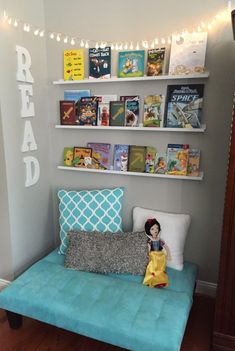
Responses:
[131,64]
[68,111]
[184,106]
[120,157]
[177,159]
[88,109]
[101,153]
[193,162]
[74,64]
[150,159]
[153,111]
[161,164]
[188,53]
[82,157]
[117,113]
[104,109]
[100,63]
[68,156]
[156,62]
[137,156]
[132,107]
[76,95]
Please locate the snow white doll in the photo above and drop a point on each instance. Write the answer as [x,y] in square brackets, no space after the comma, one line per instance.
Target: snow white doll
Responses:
[155,275]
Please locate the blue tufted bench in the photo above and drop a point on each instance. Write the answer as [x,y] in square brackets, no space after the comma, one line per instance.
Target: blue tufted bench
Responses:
[116,309]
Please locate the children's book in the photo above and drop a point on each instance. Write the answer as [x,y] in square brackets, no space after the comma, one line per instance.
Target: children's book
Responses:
[120,157]
[100,63]
[74,64]
[131,64]
[132,107]
[104,109]
[188,53]
[137,156]
[88,109]
[153,111]
[161,164]
[68,156]
[101,153]
[150,159]
[156,62]
[82,157]
[117,113]
[193,162]
[68,112]
[184,106]
[76,95]
[177,159]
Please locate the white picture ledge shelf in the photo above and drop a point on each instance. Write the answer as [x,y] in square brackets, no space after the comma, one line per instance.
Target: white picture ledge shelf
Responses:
[138,174]
[135,79]
[135,129]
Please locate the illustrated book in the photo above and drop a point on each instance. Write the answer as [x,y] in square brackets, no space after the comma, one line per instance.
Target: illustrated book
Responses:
[74,64]
[100,63]
[188,53]
[161,164]
[184,106]
[104,109]
[153,111]
[131,64]
[68,112]
[120,157]
[193,162]
[132,108]
[76,95]
[150,159]
[156,62]
[177,159]
[117,113]
[137,156]
[101,154]
[88,109]
[82,157]
[68,156]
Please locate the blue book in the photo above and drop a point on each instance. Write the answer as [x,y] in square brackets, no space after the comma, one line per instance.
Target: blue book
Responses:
[131,64]
[76,95]
[120,157]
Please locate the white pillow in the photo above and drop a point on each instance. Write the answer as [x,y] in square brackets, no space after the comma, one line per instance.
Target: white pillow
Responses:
[174,229]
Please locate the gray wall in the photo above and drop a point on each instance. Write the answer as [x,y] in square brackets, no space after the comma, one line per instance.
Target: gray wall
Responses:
[29,209]
[126,20]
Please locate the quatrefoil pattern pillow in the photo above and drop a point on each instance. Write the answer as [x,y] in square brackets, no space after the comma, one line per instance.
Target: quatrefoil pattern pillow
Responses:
[89,210]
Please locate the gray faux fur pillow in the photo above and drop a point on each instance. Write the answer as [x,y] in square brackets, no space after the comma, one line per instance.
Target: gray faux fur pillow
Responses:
[107,252]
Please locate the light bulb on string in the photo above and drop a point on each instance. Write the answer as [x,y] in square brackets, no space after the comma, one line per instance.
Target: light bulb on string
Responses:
[86,45]
[131,46]
[156,41]
[58,37]
[72,41]
[137,46]
[52,36]
[116,46]
[126,46]
[82,43]
[163,41]
[36,32]
[26,27]
[96,46]
[15,24]
[9,21]
[112,47]
[41,34]
[66,40]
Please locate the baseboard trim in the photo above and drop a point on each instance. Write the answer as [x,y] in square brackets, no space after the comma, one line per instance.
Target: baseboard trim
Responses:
[4,283]
[206,288]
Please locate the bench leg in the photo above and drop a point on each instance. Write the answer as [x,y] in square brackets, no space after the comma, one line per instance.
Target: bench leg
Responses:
[14,320]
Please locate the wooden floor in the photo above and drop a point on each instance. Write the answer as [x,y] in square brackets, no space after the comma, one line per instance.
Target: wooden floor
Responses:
[37,336]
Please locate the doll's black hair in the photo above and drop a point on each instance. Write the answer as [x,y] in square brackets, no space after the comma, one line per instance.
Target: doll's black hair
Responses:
[149,223]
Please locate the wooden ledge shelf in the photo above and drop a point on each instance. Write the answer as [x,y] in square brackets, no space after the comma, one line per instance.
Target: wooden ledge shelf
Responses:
[134,79]
[138,174]
[135,129]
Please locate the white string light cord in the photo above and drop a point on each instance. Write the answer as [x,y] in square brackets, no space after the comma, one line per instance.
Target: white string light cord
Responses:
[202,26]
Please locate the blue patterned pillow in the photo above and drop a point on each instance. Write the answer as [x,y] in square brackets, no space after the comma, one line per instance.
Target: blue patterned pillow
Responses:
[89,210]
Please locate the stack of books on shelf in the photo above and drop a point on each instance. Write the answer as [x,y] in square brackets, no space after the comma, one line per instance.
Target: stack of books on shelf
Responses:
[186,56]
[182,108]
[179,159]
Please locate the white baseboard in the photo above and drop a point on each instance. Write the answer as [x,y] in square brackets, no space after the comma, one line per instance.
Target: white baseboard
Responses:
[4,283]
[206,288]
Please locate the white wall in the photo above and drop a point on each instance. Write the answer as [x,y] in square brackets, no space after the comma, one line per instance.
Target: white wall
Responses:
[30,209]
[125,20]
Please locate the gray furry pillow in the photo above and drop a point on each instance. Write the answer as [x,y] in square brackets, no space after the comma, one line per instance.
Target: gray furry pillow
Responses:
[107,252]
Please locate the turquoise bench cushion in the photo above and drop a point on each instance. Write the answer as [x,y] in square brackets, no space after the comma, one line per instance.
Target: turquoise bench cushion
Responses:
[115,309]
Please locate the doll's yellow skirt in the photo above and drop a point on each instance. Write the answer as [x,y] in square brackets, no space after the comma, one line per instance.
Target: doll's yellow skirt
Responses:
[155,275]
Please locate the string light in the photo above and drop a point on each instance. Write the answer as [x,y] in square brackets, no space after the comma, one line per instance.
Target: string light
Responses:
[222,16]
